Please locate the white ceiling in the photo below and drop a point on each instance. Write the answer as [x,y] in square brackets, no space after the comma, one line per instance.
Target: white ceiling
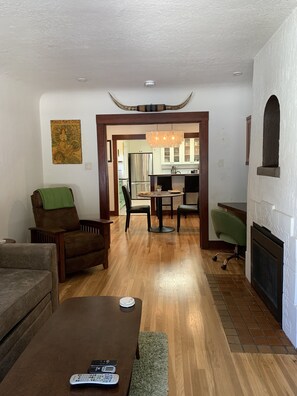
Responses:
[122,43]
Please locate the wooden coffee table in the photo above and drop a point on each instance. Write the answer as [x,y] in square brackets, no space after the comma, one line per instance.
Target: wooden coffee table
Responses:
[81,330]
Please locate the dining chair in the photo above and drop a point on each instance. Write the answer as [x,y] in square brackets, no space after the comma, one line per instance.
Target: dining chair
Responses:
[191,186]
[185,210]
[135,209]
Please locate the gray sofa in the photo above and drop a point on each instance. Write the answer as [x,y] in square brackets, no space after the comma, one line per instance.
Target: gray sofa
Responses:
[28,296]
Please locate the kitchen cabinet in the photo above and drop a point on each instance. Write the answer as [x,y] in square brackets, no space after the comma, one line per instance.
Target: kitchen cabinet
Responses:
[187,152]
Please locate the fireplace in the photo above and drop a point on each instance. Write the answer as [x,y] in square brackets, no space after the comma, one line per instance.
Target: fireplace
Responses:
[267,268]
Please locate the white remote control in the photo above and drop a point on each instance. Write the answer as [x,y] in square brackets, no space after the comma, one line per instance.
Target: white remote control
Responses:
[94,379]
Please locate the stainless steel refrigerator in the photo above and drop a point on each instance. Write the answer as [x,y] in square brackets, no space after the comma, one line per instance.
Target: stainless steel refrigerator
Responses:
[140,166]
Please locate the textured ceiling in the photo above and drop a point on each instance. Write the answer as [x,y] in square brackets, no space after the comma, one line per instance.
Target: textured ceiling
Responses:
[122,43]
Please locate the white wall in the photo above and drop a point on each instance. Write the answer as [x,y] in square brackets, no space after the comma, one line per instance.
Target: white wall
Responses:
[272,202]
[228,106]
[20,157]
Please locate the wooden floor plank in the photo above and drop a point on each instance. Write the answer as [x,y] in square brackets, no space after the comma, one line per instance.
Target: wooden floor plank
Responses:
[167,271]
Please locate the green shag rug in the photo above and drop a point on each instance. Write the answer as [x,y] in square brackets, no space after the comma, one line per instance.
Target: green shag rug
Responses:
[150,372]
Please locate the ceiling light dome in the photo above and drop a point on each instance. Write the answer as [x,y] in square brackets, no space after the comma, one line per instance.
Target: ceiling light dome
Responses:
[149,83]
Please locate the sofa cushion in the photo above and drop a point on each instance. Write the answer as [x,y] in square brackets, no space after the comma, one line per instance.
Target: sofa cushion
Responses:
[13,344]
[20,291]
[78,243]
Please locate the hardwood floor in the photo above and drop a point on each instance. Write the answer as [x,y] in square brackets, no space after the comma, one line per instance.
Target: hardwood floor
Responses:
[167,271]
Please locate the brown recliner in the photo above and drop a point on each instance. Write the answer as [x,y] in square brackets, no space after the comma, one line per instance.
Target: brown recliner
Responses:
[80,244]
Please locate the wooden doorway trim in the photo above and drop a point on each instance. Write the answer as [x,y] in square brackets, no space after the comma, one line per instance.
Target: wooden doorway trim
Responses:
[155,118]
[115,139]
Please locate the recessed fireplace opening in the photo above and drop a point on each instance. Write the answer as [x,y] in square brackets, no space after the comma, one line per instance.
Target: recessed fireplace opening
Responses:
[267,268]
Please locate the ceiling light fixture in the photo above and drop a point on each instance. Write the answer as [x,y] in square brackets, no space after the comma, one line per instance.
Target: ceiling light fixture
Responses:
[149,83]
[237,73]
[165,138]
[82,79]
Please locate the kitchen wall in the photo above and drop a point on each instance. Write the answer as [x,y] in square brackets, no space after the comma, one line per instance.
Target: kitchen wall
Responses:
[272,202]
[228,107]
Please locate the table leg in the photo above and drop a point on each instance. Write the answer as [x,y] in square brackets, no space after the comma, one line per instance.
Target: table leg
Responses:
[161,228]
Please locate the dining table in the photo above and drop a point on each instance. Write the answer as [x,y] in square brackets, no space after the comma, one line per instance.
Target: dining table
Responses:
[160,195]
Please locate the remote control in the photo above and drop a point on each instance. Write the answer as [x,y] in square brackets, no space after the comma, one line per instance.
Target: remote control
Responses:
[106,362]
[94,379]
[102,369]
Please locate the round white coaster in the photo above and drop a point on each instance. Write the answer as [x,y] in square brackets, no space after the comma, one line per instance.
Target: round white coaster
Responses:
[127,302]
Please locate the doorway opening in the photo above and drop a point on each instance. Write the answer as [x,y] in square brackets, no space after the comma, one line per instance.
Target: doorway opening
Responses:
[103,121]
[127,148]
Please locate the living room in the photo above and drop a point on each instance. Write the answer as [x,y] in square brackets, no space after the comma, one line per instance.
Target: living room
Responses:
[29,104]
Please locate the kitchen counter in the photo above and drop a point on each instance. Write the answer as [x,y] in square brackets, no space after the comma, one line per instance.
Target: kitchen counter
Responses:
[174,174]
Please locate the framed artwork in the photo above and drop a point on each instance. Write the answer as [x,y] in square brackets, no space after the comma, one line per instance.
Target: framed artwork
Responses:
[248,139]
[66,142]
[109,155]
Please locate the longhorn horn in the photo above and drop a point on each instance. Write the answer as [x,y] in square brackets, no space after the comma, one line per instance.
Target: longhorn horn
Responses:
[181,105]
[151,107]
[121,106]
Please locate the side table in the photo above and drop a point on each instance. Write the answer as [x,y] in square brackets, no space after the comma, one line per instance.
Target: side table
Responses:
[8,240]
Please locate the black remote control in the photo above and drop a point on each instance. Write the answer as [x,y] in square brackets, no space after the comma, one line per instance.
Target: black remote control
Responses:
[102,369]
[106,362]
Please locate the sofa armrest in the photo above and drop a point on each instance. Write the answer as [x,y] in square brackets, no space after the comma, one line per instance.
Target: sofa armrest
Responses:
[35,256]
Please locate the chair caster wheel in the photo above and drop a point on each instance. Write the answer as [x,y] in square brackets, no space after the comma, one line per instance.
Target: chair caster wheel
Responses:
[214,258]
[224,266]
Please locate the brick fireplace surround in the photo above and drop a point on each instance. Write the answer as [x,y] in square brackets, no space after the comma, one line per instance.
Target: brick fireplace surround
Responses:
[272,200]
[281,225]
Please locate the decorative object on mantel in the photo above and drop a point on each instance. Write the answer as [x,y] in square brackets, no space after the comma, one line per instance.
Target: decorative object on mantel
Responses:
[66,141]
[165,138]
[151,107]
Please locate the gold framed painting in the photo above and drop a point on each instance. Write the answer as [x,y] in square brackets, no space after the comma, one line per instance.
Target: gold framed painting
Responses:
[66,141]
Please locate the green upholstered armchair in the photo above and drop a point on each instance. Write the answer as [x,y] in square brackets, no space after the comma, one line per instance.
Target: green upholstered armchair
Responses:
[80,244]
[231,229]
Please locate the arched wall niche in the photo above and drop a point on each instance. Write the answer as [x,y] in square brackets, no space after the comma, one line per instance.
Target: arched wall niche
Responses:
[271,135]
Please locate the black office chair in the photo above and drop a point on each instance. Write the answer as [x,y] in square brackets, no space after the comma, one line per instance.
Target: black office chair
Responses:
[135,209]
[166,183]
[191,186]
[231,229]
[185,210]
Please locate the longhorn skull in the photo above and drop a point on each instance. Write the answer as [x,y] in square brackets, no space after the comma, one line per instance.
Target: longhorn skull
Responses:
[151,107]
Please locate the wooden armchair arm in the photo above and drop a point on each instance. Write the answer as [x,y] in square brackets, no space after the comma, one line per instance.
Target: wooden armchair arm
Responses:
[48,230]
[102,226]
[42,235]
